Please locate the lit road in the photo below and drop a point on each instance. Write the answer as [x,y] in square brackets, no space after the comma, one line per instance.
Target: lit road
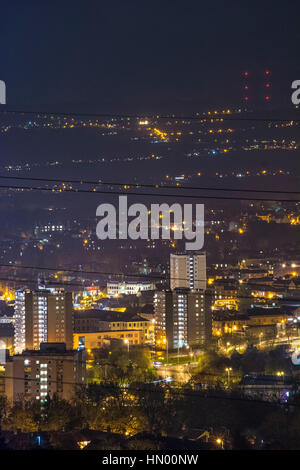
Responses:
[178,372]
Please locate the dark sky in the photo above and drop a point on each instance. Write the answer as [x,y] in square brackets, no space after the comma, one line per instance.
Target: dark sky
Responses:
[138,56]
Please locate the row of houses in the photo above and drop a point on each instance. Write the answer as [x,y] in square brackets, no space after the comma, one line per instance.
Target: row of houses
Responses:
[228,322]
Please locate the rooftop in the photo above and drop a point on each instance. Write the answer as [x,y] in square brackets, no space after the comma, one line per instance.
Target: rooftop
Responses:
[108,315]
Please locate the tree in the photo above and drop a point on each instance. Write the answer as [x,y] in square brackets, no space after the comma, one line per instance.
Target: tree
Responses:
[3,408]
[210,369]
[61,415]
[124,367]
[24,415]
[274,431]
[150,398]
[118,418]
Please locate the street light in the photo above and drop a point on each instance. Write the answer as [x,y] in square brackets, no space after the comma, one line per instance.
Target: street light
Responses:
[220,442]
[178,346]
[152,331]
[167,347]
[228,370]
[126,341]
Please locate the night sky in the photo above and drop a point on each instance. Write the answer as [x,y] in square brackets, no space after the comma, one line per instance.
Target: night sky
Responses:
[133,56]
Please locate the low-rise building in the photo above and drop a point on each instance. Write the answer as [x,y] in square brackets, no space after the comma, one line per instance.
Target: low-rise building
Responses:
[104,320]
[116,288]
[267,316]
[225,295]
[7,336]
[267,387]
[225,324]
[100,339]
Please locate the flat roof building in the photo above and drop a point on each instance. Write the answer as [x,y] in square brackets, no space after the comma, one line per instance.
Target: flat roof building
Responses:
[188,271]
[43,315]
[182,318]
[100,339]
[38,374]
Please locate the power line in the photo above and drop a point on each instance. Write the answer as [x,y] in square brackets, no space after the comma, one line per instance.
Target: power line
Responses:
[35,281]
[105,273]
[153,117]
[135,366]
[96,191]
[141,185]
[267,378]
[50,283]
[182,391]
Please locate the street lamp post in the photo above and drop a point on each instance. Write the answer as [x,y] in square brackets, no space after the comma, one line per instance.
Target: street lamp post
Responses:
[220,442]
[126,341]
[153,331]
[228,370]
[165,340]
[178,346]
[167,348]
